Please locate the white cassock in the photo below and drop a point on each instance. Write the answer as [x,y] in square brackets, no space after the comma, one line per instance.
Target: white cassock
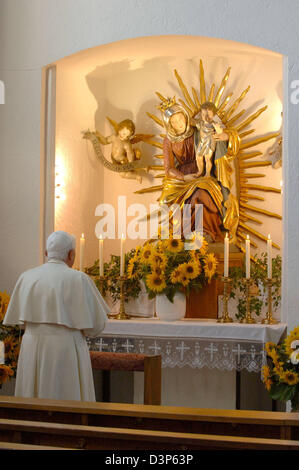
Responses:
[59,306]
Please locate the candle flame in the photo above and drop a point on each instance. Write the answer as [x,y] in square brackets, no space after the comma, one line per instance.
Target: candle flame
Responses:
[82,236]
[247,237]
[269,236]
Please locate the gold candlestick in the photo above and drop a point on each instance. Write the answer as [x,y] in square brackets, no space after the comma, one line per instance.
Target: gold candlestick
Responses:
[269,320]
[225,316]
[122,314]
[248,318]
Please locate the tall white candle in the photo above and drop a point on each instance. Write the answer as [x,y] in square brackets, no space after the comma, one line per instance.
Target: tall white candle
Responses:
[82,250]
[101,258]
[269,256]
[226,254]
[122,263]
[247,242]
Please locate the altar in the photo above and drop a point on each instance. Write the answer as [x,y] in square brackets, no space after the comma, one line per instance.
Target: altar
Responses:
[196,354]
[192,343]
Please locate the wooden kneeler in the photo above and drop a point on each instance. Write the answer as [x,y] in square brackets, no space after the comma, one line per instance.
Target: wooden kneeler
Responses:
[150,365]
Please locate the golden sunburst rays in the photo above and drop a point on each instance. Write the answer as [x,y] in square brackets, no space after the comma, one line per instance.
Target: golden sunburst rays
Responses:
[189,104]
[202,83]
[235,105]
[249,159]
[156,119]
[221,89]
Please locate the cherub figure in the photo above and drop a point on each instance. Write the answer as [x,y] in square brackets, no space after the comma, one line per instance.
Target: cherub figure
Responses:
[122,151]
[210,138]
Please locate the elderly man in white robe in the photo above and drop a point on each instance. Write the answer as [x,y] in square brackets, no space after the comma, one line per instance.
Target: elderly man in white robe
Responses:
[59,307]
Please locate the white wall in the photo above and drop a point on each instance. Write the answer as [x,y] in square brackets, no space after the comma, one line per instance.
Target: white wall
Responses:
[34,33]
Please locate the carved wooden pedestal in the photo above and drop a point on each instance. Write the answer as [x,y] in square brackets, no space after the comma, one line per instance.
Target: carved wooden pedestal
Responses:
[204,304]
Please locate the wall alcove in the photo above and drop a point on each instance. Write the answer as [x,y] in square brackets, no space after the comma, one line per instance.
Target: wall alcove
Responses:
[119,80]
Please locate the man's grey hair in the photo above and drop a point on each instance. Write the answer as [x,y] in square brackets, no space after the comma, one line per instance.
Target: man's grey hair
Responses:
[59,244]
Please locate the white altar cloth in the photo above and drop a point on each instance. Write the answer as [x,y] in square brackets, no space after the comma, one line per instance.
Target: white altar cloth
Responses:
[195,329]
[190,342]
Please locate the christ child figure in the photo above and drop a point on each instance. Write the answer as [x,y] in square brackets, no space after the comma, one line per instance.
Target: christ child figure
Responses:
[210,132]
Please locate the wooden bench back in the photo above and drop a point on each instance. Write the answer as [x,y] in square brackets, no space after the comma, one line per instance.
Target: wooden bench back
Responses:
[92,437]
[278,425]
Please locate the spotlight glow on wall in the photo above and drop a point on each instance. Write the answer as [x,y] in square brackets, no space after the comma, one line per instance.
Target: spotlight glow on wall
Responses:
[60,179]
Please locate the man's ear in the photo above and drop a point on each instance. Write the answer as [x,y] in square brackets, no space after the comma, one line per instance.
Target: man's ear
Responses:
[46,253]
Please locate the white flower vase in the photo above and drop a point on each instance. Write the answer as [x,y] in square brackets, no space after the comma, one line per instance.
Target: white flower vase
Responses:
[168,311]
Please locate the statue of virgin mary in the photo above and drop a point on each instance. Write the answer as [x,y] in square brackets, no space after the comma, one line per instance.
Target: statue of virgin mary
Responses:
[182,183]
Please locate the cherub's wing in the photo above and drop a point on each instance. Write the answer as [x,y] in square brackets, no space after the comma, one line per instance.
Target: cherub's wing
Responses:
[141,138]
[113,124]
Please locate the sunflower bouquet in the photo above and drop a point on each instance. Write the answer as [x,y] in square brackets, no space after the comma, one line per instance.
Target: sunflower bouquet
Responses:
[281,375]
[166,267]
[10,340]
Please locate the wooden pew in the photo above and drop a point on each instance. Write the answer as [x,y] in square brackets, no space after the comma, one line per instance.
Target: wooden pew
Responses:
[255,424]
[16,446]
[103,438]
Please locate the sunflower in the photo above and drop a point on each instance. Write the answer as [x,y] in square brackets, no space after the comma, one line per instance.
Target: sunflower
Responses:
[290,377]
[272,352]
[157,269]
[202,244]
[269,347]
[210,265]
[159,259]
[181,274]
[293,336]
[274,356]
[175,245]
[267,377]
[5,373]
[155,283]
[185,280]
[159,245]
[2,313]
[278,369]
[137,252]
[191,269]
[4,301]
[176,276]
[146,252]
[4,298]
[10,344]
[132,269]
[194,255]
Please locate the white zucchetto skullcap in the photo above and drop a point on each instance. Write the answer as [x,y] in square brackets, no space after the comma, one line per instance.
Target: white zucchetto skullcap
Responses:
[59,244]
